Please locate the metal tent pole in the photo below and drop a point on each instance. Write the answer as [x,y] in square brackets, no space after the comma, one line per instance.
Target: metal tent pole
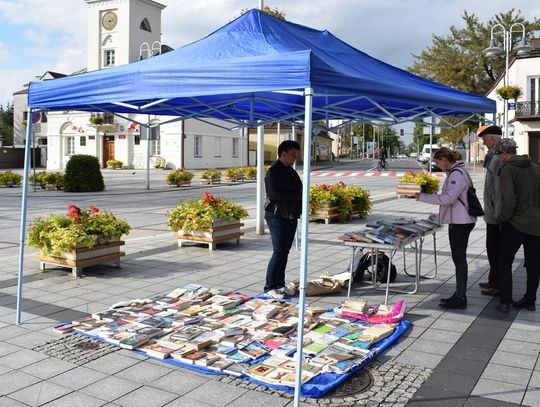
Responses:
[303,244]
[24,206]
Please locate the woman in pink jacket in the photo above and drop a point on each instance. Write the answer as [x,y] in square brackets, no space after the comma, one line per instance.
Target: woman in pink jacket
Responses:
[453,210]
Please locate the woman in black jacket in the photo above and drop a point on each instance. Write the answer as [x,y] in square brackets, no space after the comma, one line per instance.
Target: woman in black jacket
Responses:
[283,208]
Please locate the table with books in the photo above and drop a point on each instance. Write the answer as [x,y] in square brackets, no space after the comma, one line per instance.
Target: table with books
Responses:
[391,236]
[218,332]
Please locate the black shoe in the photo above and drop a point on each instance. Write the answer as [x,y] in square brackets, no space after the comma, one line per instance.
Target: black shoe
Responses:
[454,302]
[491,291]
[445,300]
[503,307]
[525,304]
[484,285]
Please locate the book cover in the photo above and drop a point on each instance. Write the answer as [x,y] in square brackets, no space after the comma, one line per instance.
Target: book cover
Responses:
[207,359]
[220,364]
[65,327]
[254,350]
[157,351]
[314,348]
[236,369]
[259,371]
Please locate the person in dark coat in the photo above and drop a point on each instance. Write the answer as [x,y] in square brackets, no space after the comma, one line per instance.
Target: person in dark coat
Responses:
[518,211]
[283,208]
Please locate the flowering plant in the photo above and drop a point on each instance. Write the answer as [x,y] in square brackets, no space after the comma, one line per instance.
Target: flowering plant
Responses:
[428,183]
[211,173]
[57,234]
[344,198]
[509,92]
[271,12]
[198,214]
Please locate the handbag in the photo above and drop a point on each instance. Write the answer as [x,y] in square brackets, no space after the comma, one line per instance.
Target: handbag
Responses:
[475,207]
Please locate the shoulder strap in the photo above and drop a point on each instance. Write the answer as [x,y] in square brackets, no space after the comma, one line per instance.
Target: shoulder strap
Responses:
[470,183]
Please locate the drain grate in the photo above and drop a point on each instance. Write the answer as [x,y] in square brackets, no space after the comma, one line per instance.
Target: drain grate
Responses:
[76,349]
[356,384]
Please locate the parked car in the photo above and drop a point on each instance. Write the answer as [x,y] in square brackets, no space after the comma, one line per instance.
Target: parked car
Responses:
[426,153]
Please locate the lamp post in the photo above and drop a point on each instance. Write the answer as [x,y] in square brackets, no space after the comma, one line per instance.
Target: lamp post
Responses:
[494,51]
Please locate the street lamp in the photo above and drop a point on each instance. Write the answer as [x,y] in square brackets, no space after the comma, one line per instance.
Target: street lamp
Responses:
[493,51]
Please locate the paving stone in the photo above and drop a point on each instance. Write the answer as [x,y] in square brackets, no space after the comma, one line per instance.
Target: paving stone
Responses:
[9,402]
[216,393]
[498,390]
[78,378]
[76,399]
[144,372]
[146,396]
[48,367]
[110,388]
[111,363]
[40,393]
[507,374]
[13,381]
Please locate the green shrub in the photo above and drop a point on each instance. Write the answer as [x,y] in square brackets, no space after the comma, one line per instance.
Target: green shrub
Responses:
[428,183]
[83,174]
[234,172]
[250,172]
[179,177]
[345,199]
[213,174]
[115,164]
[10,178]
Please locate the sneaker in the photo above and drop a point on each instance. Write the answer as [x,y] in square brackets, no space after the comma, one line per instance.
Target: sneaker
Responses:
[275,294]
[445,300]
[485,286]
[287,291]
[454,302]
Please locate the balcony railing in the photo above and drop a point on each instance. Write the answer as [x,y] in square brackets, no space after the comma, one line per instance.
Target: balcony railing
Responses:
[527,110]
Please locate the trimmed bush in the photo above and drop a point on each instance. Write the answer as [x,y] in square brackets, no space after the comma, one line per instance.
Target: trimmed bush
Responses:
[83,174]
[115,164]
[10,178]
[179,177]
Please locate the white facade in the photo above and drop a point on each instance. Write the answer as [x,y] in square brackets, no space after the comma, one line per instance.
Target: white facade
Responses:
[524,117]
[120,32]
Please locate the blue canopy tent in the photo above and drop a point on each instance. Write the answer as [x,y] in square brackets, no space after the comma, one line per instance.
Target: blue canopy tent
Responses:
[255,70]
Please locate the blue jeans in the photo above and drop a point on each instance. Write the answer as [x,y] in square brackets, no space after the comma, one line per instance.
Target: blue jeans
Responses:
[282,233]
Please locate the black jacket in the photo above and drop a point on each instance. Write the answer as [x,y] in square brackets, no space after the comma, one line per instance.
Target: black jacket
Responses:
[283,192]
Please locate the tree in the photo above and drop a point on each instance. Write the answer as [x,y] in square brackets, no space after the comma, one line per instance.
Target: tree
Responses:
[274,12]
[454,135]
[6,124]
[457,60]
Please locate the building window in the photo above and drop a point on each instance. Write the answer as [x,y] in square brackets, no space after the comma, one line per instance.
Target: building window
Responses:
[137,140]
[108,57]
[217,146]
[235,147]
[145,25]
[82,141]
[197,144]
[155,141]
[70,145]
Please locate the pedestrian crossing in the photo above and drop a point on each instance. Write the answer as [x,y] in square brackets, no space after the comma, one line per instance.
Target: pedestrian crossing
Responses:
[346,174]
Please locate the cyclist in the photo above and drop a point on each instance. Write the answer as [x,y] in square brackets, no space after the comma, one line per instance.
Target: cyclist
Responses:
[383,155]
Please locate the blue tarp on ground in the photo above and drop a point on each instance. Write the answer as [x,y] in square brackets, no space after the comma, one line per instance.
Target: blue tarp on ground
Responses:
[320,384]
[238,69]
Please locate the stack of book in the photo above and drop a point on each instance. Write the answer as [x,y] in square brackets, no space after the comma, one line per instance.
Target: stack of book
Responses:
[234,334]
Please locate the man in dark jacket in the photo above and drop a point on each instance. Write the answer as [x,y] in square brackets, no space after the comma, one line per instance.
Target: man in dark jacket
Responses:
[518,211]
[283,208]
[491,136]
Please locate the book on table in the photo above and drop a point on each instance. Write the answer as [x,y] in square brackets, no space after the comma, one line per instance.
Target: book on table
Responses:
[220,364]
[254,350]
[156,350]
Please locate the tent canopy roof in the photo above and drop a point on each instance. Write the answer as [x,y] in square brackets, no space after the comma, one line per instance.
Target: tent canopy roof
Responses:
[255,69]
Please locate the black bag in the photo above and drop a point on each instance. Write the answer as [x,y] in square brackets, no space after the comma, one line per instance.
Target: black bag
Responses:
[364,265]
[475,207]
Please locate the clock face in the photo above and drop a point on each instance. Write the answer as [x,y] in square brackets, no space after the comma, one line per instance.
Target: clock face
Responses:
[109,20]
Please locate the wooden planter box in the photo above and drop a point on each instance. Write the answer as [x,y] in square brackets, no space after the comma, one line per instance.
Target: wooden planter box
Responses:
[182,184]
[220,231]
[408,189]
[327,213]
[84,257]
[210,181]
[234,179]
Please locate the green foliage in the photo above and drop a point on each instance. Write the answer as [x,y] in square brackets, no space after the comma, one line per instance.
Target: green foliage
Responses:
[57,234]
[266,9]
[345,198]
[198,214]
[233,173]
[457,60]
[179,177]
[6,124]
[96,119]
[429,183]
[83,174]
[213,174]
[115,164]
[43,178]
[509,92]
[10,178]
[250,172]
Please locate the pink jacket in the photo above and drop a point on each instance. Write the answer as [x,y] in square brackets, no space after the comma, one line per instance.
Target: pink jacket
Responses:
[455,186]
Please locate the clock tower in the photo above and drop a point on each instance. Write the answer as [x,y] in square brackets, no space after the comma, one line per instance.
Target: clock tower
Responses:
[119,29]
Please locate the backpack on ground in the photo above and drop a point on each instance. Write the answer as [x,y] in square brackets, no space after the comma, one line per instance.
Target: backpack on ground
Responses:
[363,268]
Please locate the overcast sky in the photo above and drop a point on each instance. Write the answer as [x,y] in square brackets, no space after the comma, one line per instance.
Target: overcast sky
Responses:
[41,35]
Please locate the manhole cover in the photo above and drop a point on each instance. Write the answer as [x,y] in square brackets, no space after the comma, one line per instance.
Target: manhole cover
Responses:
[76,349]
[358,383]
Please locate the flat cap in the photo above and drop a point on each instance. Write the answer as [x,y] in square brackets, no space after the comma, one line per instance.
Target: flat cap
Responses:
[506,145]
[489,130]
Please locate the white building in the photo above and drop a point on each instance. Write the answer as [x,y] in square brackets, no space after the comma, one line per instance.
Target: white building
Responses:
[122,32]
[524,115]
